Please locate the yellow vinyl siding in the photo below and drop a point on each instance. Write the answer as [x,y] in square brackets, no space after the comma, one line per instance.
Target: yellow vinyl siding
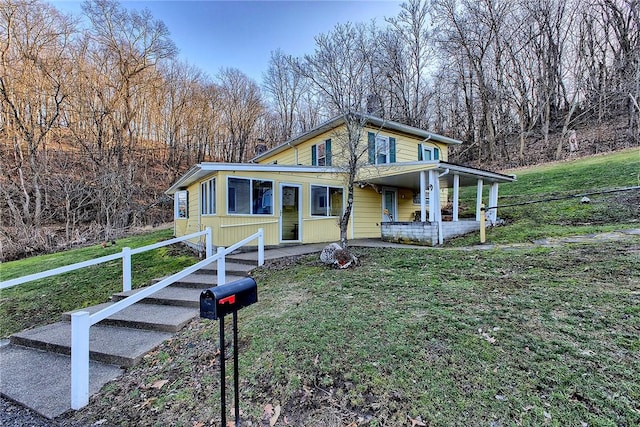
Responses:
[228,229]
[406,145]
[320,229]
[367,213]
[406,208]
[287,157]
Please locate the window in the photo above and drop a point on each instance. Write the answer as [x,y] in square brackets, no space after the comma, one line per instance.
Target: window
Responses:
[326,201]
[249,196]
[382,149]
[321,154]
[208,197]
[181,204]
[427,152]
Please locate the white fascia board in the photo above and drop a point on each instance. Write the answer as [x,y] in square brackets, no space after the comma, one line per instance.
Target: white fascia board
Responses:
[495,176]
[201,170]
[391,125]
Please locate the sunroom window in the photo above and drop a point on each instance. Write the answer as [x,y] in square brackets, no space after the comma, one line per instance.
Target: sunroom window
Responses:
[326,201]
[249,196]
[208,197]
[181,204]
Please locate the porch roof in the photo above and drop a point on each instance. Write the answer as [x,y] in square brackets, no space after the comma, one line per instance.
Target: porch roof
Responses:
[407,175]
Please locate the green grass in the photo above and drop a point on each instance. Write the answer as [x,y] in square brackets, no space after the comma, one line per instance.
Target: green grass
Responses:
[403,336]
[43,301]
[516,336]
[519,336]
[568,217]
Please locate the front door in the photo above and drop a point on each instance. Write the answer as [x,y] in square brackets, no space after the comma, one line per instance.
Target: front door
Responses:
[290,213]
[389,205]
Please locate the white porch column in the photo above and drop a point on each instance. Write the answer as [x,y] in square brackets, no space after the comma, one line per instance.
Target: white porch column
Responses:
[479,201]
[437,208]
[433,179]
[493,201]
[423,196]
[456,196]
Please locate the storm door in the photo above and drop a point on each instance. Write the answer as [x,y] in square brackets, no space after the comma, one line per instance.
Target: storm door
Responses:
[290,213]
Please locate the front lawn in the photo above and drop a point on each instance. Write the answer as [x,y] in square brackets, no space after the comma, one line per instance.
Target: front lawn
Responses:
[538,336]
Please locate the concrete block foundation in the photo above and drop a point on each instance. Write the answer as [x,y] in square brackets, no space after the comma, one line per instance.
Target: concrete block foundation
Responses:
[426,233]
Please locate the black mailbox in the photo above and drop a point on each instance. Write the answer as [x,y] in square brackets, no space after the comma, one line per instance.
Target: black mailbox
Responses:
[219,301]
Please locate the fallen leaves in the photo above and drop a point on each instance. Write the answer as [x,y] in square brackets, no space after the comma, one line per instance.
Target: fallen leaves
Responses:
[158,384]
[271,414]
[487,336]
[417,421]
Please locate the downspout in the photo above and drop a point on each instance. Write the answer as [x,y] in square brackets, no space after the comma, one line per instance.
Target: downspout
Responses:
[295,152]
[423,187]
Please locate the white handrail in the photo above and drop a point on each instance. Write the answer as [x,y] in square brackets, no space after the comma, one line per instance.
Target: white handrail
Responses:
[59,270]
[81,321]
[67,268]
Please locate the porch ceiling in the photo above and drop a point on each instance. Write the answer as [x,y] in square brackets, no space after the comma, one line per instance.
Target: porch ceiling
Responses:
[408,175]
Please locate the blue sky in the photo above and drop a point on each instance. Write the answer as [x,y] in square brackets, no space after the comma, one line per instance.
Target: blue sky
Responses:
[242,34]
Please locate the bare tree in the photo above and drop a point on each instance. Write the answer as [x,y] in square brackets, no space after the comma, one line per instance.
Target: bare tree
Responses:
[241,106]
[338,70]
[33,67]
[408,50]
[285,88]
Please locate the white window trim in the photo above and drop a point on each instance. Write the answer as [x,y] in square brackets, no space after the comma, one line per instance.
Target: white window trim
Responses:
[323,144]
[380,138]
[427,148]
[176,204]
[328,205]
[250,195]
[205,198]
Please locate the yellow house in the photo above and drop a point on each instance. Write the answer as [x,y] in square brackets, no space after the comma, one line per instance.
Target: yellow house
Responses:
[297,191]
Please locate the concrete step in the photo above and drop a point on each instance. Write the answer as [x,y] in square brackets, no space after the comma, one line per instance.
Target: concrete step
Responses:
[201,281]
[42,381]
[154,317]
[231,268]
[249,258]
[108,344]
[171,295]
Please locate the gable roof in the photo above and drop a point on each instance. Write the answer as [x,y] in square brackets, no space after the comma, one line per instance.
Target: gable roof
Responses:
[370,120]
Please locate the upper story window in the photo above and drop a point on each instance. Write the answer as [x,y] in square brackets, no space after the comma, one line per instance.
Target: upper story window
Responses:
[321,153]
[427,152]
[181,204]
[249,196]
[208,197]
[382,149]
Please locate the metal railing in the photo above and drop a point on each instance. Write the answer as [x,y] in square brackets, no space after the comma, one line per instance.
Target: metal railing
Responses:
[81,321]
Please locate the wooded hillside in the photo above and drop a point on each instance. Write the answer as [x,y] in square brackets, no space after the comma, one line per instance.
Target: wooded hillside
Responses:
[98,119]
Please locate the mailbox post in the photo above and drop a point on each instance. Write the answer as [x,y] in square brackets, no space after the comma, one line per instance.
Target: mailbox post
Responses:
[215,303]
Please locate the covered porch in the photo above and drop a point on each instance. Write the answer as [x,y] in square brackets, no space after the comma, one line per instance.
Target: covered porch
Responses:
[437,184]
